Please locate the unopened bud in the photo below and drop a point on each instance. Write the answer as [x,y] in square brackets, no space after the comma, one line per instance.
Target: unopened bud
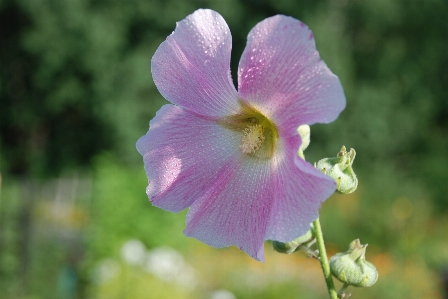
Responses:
[351,267]
[301,242]
[304,132]
[340,169]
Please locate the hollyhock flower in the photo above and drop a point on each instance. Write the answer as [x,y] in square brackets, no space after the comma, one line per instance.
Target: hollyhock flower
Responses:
[231,156]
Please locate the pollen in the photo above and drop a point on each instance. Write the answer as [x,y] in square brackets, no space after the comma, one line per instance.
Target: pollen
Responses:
[252,140]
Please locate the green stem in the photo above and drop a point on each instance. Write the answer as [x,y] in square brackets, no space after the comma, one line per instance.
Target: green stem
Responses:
[324,260]
[341,292]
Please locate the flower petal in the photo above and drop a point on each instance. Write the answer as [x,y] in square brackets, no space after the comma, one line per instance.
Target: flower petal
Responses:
[235,211]
[300,191]
[183,154]
[281,74]
[192,67]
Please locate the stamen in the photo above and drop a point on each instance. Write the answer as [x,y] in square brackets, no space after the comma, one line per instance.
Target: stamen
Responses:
[252,140]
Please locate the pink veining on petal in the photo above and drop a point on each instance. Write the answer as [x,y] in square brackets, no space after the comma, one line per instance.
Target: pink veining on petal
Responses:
[299,192]
[174,165]
[235,210]
[193,160]
[192,67]
[183,154]
[280,71]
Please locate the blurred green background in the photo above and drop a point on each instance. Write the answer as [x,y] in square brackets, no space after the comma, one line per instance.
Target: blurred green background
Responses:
[76,93]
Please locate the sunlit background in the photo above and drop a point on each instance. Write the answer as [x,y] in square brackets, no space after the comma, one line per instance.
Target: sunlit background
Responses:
[76,93]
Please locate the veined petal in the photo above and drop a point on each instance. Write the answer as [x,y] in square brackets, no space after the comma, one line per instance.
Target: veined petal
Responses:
[183,155]
[253,200]
[300,190]
[281,74]
[235,211]
[232,157]
[192,67]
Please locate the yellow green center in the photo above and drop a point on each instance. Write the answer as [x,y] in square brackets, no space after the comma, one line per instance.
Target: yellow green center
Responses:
[258,133]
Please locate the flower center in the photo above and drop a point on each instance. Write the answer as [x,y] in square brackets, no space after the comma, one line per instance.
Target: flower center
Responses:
[252,140]
[258,133]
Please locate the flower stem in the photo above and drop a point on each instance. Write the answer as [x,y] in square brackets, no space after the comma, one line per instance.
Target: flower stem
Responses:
[341,292]
[324,260]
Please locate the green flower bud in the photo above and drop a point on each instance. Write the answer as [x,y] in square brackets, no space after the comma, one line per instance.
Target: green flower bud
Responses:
[304,132]
[352,268]
[301,243]
[340,169]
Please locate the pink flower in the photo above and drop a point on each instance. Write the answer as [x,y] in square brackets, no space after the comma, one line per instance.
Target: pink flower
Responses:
[231,156]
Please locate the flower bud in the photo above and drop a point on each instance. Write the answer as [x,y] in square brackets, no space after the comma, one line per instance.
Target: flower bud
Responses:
[340,169]
[352,268]
[295,245]
[304,132]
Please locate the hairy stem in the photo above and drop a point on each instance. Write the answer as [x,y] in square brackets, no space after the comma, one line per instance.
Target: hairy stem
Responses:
[324,260]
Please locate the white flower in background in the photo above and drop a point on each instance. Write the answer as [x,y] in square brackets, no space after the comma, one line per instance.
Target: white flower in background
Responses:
[186,277]
[106,270]
[222,294]
[134,252]
[169,265]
